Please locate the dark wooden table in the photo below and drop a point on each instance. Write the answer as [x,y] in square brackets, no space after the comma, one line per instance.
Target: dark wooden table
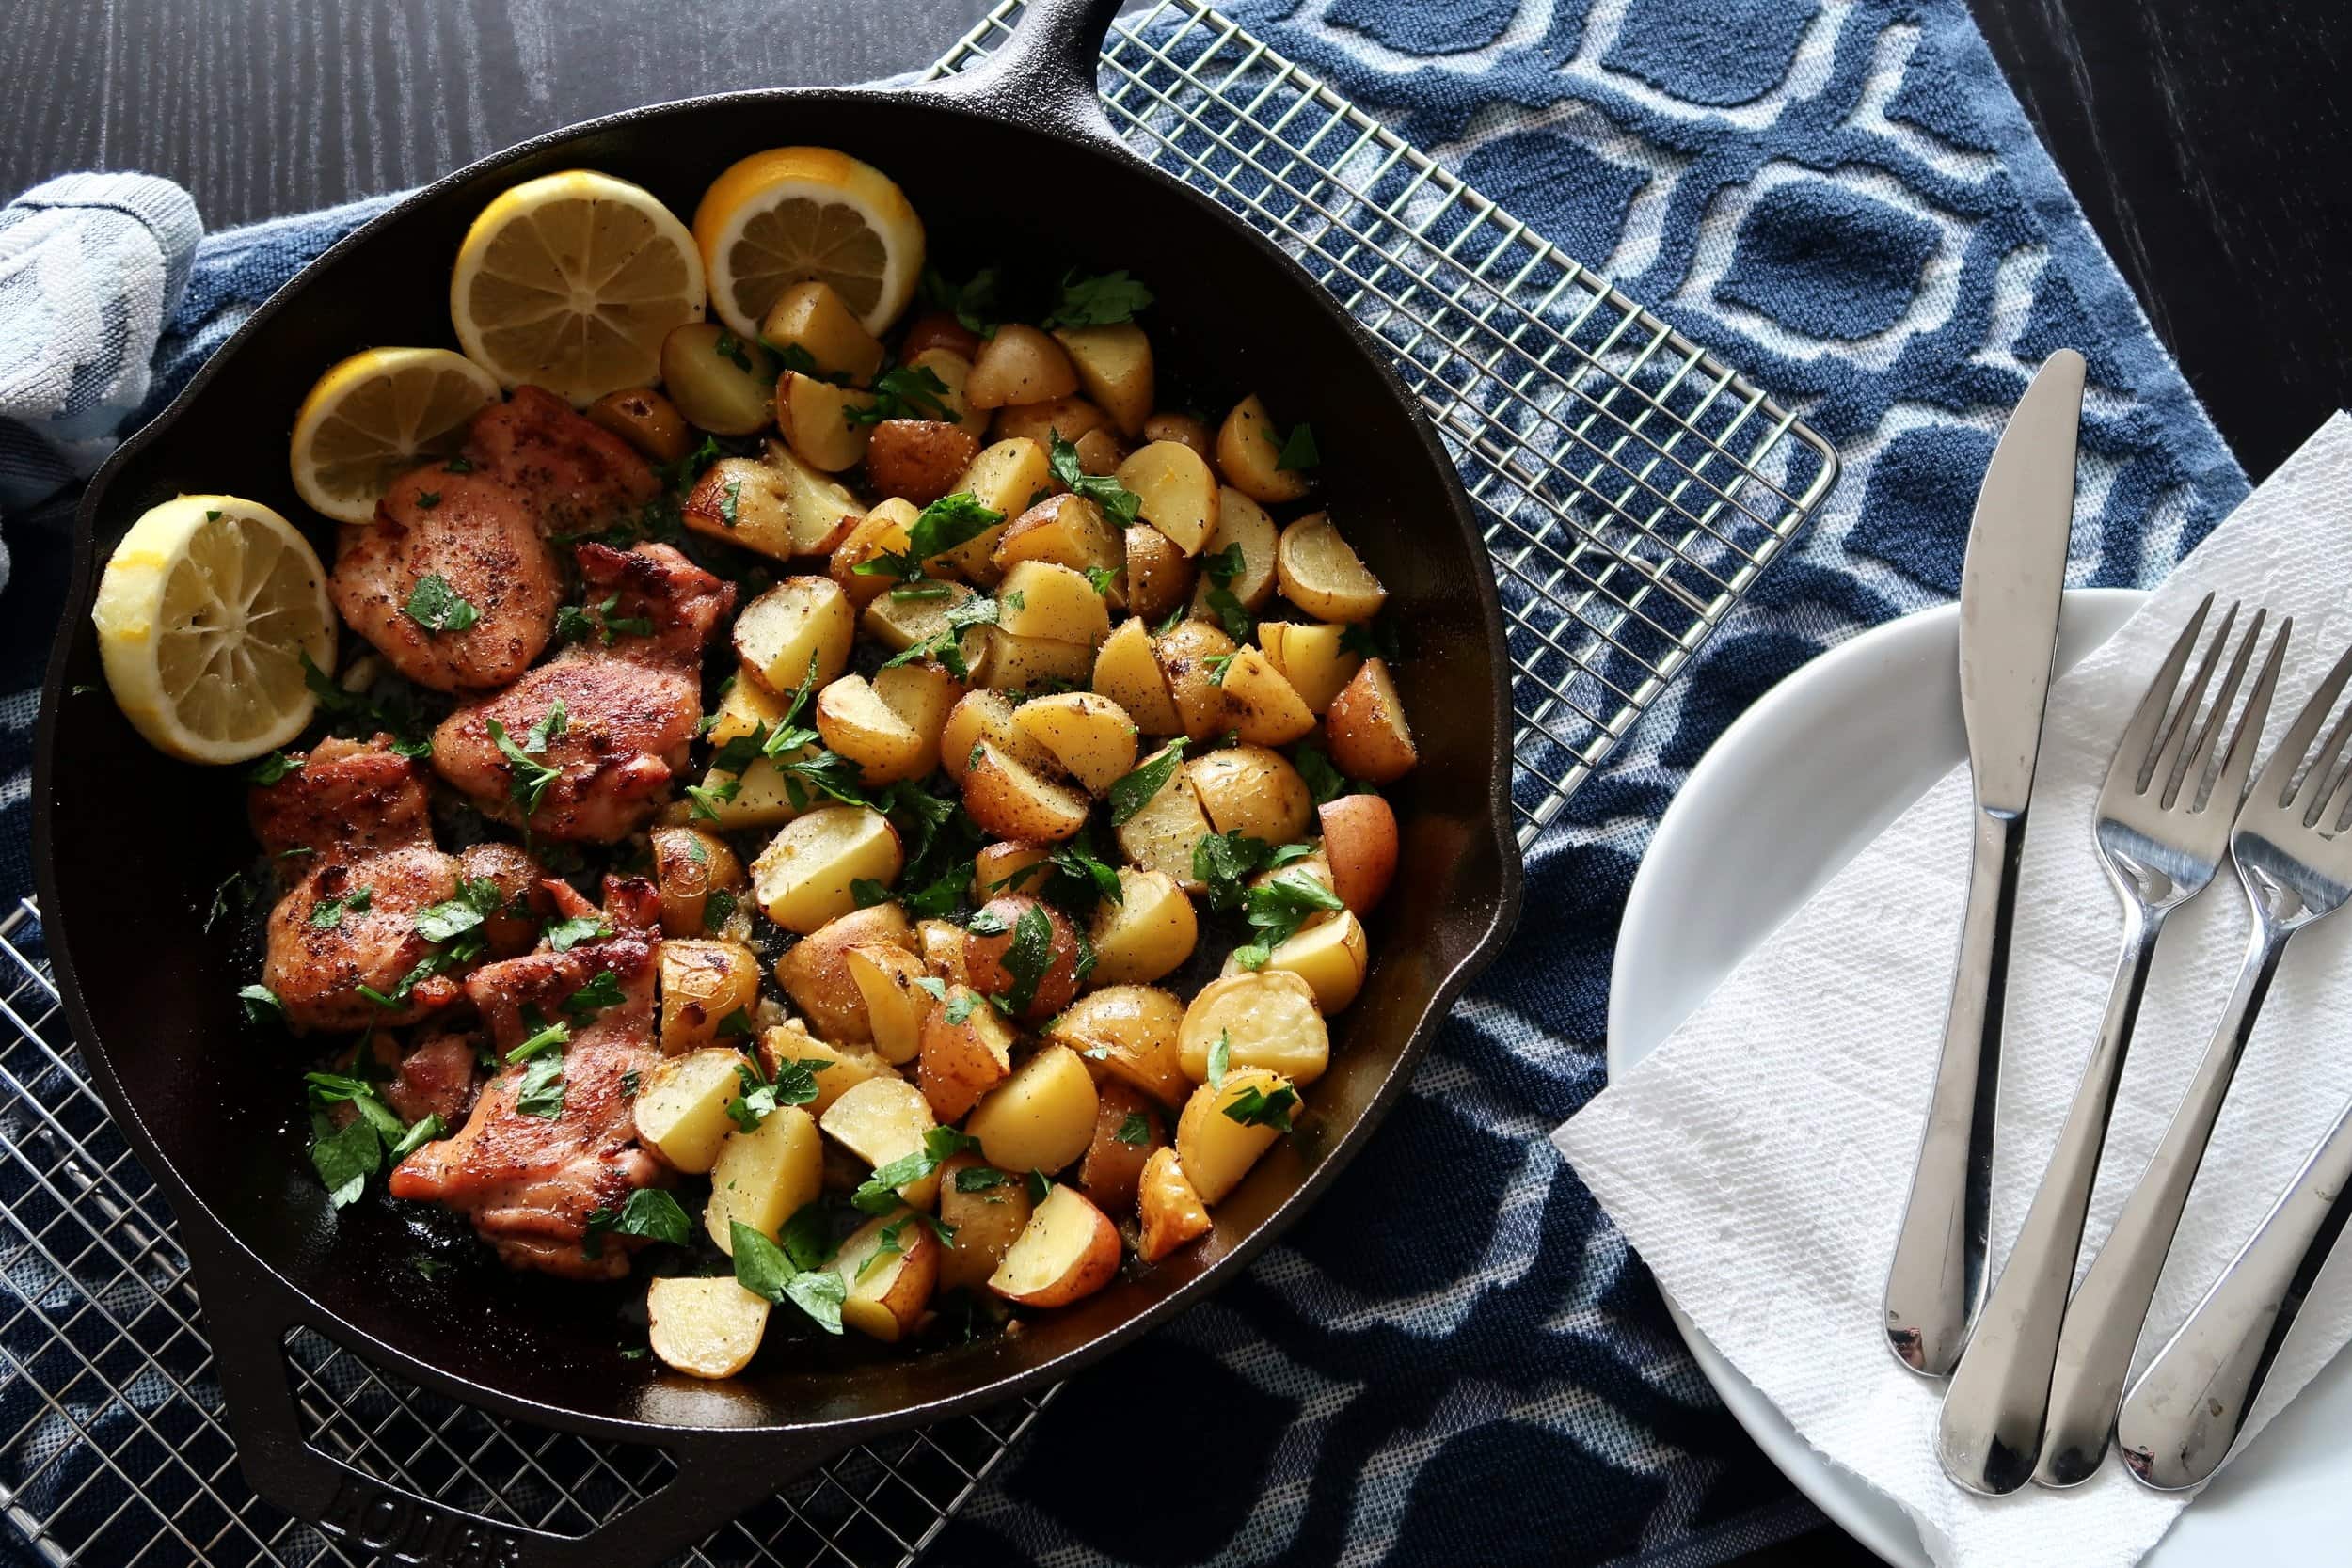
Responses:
[2210,145]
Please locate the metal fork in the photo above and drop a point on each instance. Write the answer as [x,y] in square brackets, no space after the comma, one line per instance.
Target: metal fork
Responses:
[2296,867]
[2162,827]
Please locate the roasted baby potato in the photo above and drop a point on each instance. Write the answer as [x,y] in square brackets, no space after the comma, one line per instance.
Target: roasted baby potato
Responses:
[938,329]
[815,419]
[1161,834]
[1099,453]
[704,981]
[761,797]
[1159,573]
[681,1107]
[704,1327]
[1193,658]
[953,371]
[801,630]
[815,971]
[1240,523]
[1185,430]
[985,715]
[1067,1250]
[1170,1212]
[1215,1146]
[1011,799]
[919,459]
[878,1121]
[1250,455]
[1150,932]
[1332,956]
[812,318]
[1023,664]
[1019,365]
[1005,478]
[1177,490]
[1359,841]
[967,1051]
[898,620]
[646,421]
[689,866]
[880,531]
[890,1266]
[1367,730]
[717,379]
[888,978]
[1004,867]
[1088,735]
[940,945]
[1039,598]
[1265,1019]
[988,1209]
[1128,673]
[776,505]
[1114,365]
[1311,657]
[1260,707]
[763,1177]
[996,939]
[1322,576]
[837,1069]
[1068,530]
[803,878]
[859,725]
[1129,1033]
[745,705]
[1128,1126]
[1068,418]
[1249,789]
[921,694]
[1041,1117]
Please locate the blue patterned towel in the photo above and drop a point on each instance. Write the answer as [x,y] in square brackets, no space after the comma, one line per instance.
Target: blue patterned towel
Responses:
[1454,1359]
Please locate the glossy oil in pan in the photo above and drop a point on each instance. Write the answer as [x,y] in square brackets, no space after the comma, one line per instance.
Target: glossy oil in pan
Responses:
[130,847]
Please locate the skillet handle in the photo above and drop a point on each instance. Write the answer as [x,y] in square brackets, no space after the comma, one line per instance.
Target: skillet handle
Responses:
[1044,76]
[376,1521]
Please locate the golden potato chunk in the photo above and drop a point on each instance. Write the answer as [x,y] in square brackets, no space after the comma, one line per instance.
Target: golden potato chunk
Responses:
[801,630]
[1068,530]
[859,725]
[776,505]
[717,379]
[1067,1250]
[1332,956]
[1263,1019]
[1128,673]
[646,421]
[1177,490]
[967,1051]
[918,460]
[704,1327]
[1150,932]
[889,979]
[1260,708]
[1161,833]
[1065,418]
[1322,576]
[815,971]
[1011,799]
[988,1209]
[1193,658]
[1114,365]
[880,1120]
[1041,1117]
[1130,1033]
[804,877]
[1249,790]
[1015,663]
[1311,657]
[1169,1211]
[1039,598]
[818,421]
[764,1177]
[1159,574]
[698,878]
[1088,735]
[1366,725]
[681,1107]
[1128,1126]
[1019,364]
[812,318]
[1240,523]
[890,1266]
[1249,454]
[1224,1129]
[880,531]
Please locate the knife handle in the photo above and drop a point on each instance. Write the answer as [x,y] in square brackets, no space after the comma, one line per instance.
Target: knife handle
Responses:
[1936,1281]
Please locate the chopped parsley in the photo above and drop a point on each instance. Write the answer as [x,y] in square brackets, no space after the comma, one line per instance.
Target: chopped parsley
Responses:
[947,522]
[795,1083]
[531,776]
[1096,301]
[1136,1130]
[1132,793]
[879,1192]
[904,392]
[766,1271]
[1220,1057]
[436,605]
[260,1003]
[979,1179]
[541,1092]
[564,935]
[1102,577]
[1277,910]
[602,992]
[553,1035]
[1254,1107]
[273,767]
[1119,503]
[946,645]
[329,913]
[1028,958]
[730,499]
[1298,449]
[650,1211]
[960,1007]
[1323,780]
[428,499]
[345,1157]
[717,906]
[974,303]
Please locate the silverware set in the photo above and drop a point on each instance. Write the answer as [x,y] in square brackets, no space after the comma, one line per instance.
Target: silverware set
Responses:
[2038,1376]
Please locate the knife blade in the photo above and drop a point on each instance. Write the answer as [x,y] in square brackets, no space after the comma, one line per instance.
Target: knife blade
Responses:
[2009,588]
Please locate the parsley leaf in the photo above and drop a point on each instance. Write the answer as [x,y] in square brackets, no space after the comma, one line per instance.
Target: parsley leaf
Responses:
[904,392]
[1041,1187]
[329,913]
[1372,640]
[542,1090]
[878,1193]
[564,935]
[260,1003]
[1226,564]
[1102,577]
[1030,956]
[1224,860]
[763,1268]
[1119,503]
[979,1179]
[960,1007]
[1132,793]
[600,993]
[1103,301]
[717,907]
[974,303]
[273,767]
[704,801]
[1298,449]
[650,1211]
[1254,1107]
[554,1034]
[345,1156]
[531,776]
[1136,1130]
[867,893]
[554,725]
[946,643]
[1323,780]
[1220,1057]
[1278,908]
[988,923]
[436,605]
[947,522]
[807,1237]
[729,502]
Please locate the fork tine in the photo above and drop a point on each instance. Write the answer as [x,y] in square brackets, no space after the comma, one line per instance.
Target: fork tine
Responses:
[2137,746]
[2229,786]
[2278,774]
[2200,759]
[2171,760]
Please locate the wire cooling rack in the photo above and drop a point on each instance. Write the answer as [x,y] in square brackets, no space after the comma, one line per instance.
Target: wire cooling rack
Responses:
[1631,486]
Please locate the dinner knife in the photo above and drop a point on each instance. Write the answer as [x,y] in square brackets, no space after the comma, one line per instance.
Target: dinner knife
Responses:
[2010,586]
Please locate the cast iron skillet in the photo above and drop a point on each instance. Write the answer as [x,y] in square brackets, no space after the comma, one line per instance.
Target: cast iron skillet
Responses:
[131,847]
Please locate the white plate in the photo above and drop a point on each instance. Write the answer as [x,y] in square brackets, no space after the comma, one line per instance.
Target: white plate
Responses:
[1830,757]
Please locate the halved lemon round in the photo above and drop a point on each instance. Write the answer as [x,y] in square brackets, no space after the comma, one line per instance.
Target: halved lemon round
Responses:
[204,615]
[379,414]
[571,282]
[791,214]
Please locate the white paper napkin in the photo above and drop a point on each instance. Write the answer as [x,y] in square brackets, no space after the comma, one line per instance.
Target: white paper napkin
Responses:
[1758,1159]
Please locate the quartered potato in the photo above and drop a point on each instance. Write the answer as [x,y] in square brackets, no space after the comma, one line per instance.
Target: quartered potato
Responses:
[921,694]
[1185,430]
[1170,1212]
[1266,1020]
[1114,365]
[1359,841]
[987,964]
[858,725]
[1041,1117]
[890,1266]
[1322,576]
[918,460]
[939,329]
[1242,522]
[1130,1033]
[887,978]
[1160,574]
[1161,834]
[1023,664]
[716,379]
[1067,529]
[1260,707]
[814,417]
[1249,790]
[1311,657]
[1367,730]
[776,505]
[704,1327]
[1192,658]
[1128,673]
[1332,956]
[800,626]
[812,318]
[1005,478]
[837,1069]
[1177,490]
[681,1107]
[1069,1249]
[764,1177]
[1040,599]
[815,971]
[1214,1147]
[803,878]
[1011,799]
[1099,453]
[880,1120]
[1249,454]
[1019,365]
[954,370]
[988,1209]
[985,715]
[1128,1126]
[880,531]
[962,1059]
[761,798]
[940,945]
[900,618]
[689,866]
[1003,868]
[704,981]
[1088,735]
[1068,418]
[646,421]
[1150,932]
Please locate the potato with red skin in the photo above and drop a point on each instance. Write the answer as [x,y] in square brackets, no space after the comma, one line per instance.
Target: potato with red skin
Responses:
[1159,574]
[1169,1211]
[1359,841]
[1113,1166]
[988,1219]
[815,973]
[919,459]
[984,956]
[1069,1249]
[938,329]
[1370,740]
[964,1059]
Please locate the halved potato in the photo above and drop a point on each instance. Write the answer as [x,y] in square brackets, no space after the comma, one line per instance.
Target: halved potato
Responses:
[1090,735]
[815,971]
[1214,1150]
[1004,867]
[962,1059]
[918,460]
[886,976]
[1011,799]
[1268,1019]
[1068,530]
[1068,418]
[1239,521]
[985,953]
[954,370]
[1039,598]
[1015,663]
[1359,841]
[802,623]
[1099,453]
[1170,1212]
[718,380]
[764,1177]
[858,725]
[1249,789]
[776,506]
[1193,658]
[1159,574]
[1367,730]
[921,695]
[681,1107]
[937,329]
[803,878]
[1019,365]
[1183,429]
[1260,705]
[907,613]
[1310,658]
[842,1068]
[880,531]
[1161,834]
[1128,1126]
[646,421]
[1130,1033]
[1067,1250]
[940,945]
[762,796]
[704,1327]
[1322,576]
[1150,932]
[1005,478]
[704,981]
[1249,454]
[688,865]
[1332,956]
[890,1266]
[811,317]
[880,1120]
[1114,365]
[1177,490]
[815,419]
[1127,673]
[985,715]
[1041,1117]
[988,1209]
[745,705]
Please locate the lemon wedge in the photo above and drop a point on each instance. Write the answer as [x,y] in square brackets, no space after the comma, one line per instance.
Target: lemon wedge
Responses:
[376,415]
[792,213]
[203,615]
[571,282]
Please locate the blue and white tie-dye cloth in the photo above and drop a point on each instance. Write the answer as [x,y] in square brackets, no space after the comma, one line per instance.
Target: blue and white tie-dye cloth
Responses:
[1454,1359]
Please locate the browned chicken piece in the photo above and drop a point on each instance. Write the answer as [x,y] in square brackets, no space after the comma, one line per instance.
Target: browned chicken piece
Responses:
[349,828]
[523,904]
[627,711]
[435,1076]
[532,467]
[532,1181]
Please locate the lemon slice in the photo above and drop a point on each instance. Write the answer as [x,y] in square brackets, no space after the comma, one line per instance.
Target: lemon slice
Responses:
[376,416]
[571,282]
[203,615]
[791,214]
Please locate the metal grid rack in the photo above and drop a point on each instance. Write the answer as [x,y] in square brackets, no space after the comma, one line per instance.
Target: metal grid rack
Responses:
[1631,486]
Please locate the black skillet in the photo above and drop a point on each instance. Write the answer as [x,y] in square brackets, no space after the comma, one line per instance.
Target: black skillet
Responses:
[130,847]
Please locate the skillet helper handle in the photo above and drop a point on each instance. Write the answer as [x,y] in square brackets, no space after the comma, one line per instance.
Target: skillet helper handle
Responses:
[376,1521]
[1044,76]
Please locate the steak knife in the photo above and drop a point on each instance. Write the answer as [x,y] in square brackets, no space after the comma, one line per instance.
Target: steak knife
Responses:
[2010,586]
